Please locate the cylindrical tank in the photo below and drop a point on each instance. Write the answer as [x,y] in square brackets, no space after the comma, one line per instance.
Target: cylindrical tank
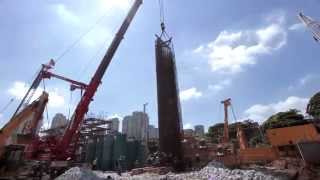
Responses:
[91,150]
[169,113]
[107,152]
[99,151]
[120,151]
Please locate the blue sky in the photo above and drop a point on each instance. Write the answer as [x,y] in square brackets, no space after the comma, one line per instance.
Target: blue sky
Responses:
[254,52]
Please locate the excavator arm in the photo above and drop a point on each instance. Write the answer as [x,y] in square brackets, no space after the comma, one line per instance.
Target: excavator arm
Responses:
[23,123]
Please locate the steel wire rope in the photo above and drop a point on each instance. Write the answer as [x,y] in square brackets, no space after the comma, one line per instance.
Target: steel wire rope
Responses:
[46,108]
[91,60]
[72,45]
[6,106]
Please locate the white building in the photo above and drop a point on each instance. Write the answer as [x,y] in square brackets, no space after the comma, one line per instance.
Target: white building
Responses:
[188,132]
[199,130]
[153,132]
[114,124]
[59,120]
[136,125]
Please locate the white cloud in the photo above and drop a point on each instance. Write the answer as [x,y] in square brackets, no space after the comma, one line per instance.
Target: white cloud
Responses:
[66,15]
[231,51]
[296,27]
[187,126]
[19,89]
[55,99]
[114,5]
[115,116]
[97,37]
[304,81]
[95,33]
[191,93]
[220,85]
[260,112]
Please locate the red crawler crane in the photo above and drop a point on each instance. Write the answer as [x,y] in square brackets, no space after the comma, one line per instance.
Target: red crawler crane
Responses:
[64,148]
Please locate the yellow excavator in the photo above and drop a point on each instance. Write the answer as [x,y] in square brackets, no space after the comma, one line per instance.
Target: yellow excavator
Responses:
[23,126]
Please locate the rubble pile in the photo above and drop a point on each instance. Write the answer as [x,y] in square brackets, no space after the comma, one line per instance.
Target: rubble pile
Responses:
[214,171]
[77,173]
[221,173]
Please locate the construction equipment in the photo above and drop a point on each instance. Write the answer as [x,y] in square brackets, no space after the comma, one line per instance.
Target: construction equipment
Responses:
[313,25]
[241,137]
[24,125]
[64,148]
[226,103]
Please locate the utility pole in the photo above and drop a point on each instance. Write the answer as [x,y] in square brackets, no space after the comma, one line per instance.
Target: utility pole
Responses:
[146,120]
[145,116]
[226,103]
[145,107]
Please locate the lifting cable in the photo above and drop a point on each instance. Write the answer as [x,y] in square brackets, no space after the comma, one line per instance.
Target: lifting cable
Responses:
[6,106]
[162,20]
[46,108]
[91,60]
[161,6]
[233,113]
[70,102]
[220,112]
[76,42]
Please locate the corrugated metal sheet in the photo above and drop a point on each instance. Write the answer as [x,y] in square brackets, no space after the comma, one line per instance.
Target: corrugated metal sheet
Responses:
[310,151]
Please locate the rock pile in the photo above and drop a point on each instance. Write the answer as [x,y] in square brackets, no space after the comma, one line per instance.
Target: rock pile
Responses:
[77,173]
[214,171]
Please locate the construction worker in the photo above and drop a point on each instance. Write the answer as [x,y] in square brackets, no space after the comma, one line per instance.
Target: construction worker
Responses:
[94,164]
[197,160]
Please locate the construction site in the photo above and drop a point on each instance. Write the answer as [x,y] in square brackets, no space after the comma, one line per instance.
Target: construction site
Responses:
[79,144]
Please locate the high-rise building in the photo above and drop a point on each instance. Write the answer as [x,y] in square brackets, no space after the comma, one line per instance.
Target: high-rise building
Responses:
[188,132]
[199,130]
[114,124]
[59,120]
[136,126]
[153,132]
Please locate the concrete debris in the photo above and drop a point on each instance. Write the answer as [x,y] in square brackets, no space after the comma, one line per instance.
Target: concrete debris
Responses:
[213,171]
[77,173]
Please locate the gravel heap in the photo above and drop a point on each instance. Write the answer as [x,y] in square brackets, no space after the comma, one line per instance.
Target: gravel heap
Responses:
[77,173]
[213,171]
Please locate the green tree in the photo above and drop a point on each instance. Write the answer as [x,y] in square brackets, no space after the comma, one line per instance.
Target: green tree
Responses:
[215,132]
[313,108]
[250,128]
[284,119]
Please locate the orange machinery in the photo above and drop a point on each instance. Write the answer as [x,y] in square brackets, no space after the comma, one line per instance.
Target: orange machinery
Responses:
[24,125]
